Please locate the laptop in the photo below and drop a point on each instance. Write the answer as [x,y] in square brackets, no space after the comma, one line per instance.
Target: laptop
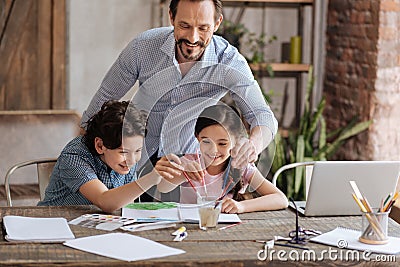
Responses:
[329,193]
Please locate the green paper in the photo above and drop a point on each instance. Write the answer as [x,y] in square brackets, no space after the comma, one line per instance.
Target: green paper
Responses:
[151,205]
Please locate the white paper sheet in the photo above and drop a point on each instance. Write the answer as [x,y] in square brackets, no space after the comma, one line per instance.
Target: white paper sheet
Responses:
[351,236]
[122,246]
[31,229]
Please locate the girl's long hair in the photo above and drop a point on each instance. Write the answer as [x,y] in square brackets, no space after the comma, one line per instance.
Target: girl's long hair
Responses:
[229,118]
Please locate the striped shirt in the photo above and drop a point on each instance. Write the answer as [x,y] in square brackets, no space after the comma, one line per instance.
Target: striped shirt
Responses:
[175,100]
[75,167]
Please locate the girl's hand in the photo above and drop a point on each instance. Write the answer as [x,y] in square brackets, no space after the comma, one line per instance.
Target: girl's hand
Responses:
[231,206]
[169,167]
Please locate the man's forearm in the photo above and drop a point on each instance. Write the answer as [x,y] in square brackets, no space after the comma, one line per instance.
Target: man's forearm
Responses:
[261,136]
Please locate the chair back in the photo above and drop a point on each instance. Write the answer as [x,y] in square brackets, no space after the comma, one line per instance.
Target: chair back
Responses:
[44,170]
[34,134]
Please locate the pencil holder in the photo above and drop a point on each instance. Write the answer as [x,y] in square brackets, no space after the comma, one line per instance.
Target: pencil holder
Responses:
[374,227]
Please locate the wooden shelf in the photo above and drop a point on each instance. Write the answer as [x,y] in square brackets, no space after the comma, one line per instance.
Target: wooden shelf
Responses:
[281,67]
[281,70]
[272,1]
[40,112]
[277,3]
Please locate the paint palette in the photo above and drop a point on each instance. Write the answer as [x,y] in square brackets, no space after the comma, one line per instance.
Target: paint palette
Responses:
[102,221]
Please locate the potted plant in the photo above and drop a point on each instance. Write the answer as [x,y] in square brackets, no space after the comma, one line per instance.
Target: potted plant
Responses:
[310,142]
[232,32]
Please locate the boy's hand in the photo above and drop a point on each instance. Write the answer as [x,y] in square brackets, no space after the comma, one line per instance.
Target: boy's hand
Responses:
[193,169]
[169,166]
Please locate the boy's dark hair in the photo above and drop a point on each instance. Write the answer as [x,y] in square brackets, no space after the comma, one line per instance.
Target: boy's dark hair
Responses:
[173,7]
[114,120]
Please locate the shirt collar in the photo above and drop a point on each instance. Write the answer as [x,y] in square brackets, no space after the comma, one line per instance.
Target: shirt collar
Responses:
[169,45]
[107,169]
[210,56]
[101,164]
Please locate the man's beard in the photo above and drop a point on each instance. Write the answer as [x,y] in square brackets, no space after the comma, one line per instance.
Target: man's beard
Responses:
[188,53]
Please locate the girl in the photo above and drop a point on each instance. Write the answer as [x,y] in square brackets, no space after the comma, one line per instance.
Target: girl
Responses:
[217,129]
[100,167]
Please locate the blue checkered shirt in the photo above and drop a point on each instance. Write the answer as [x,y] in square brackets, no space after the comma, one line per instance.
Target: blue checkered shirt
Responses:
[75,167]
[175,100]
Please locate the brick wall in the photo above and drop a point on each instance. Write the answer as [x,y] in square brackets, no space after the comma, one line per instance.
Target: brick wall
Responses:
[363,76]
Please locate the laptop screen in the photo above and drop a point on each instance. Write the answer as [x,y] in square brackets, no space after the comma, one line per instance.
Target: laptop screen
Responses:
[330,191]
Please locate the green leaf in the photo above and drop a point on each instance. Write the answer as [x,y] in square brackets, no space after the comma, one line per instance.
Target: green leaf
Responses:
[304,122]
[299,158]
[314,121]
[356,129]
[310,85]
[270,71]
[345,134]
[322,139]
[308,149]
[279,157]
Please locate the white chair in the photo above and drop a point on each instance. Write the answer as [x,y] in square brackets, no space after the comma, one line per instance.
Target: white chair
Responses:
[44,169]
[290,166]
[295,165]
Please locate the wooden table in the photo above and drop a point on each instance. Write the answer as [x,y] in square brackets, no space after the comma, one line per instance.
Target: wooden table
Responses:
[231,247]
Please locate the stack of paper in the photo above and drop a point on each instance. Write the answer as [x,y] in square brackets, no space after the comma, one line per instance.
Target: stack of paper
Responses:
[170,211]
[29,229]
[152,211]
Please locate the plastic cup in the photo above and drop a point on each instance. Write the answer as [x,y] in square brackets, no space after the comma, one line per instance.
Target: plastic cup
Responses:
[374,227]
[208,212]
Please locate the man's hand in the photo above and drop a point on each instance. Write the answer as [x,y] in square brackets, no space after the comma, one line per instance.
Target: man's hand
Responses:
[243,153]
[247,150]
